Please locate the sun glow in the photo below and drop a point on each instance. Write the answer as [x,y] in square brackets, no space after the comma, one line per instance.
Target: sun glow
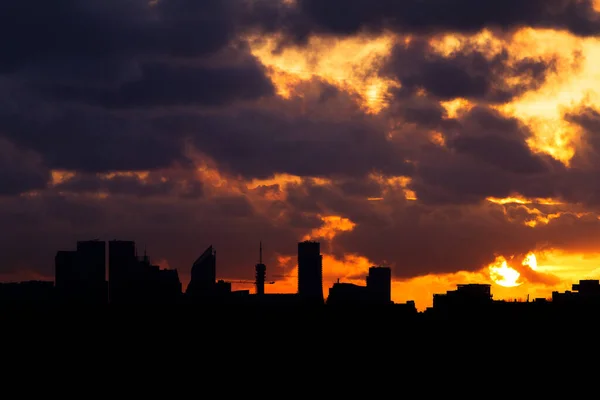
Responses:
[503,275]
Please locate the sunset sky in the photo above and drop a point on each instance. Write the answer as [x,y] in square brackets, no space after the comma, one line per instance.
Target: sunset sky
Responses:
[456,141]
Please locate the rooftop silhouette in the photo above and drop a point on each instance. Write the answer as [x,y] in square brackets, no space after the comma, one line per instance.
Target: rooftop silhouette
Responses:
[81,279]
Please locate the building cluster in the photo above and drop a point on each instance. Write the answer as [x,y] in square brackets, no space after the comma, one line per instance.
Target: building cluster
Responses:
[82,277]
[204,287]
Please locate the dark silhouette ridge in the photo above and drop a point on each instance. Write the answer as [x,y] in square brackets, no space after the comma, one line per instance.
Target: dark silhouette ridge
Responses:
[80,279]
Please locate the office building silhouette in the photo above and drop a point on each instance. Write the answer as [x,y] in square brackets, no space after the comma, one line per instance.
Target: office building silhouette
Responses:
[30,293]
[80,275]
[121,270]
[204,275]
[466,297]
[585,292]
[378,290]
[379,285]
[310,271]
[260,274]
[154,285]
[91,257]
[342,293]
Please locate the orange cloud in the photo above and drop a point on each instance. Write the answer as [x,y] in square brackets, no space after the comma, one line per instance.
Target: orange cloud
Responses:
[351,64]
[332,225]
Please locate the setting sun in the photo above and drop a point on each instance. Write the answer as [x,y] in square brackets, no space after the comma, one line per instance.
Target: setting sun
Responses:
[503,275]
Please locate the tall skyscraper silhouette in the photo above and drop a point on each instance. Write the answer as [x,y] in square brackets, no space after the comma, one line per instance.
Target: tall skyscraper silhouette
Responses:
[261,273]
[122,262]
[204,274]
[310,271]
[91,265]
[379,284]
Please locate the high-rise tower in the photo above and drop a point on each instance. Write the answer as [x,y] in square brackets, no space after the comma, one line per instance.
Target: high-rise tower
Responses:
[310,271]
[204,274]
[379,284]
[261,273]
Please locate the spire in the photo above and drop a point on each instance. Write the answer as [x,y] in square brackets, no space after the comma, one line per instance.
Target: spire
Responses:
[260,253]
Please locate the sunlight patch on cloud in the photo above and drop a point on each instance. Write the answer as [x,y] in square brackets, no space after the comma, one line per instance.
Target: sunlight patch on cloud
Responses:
[351,64]
[573,85]
[60,176]
[332,225]
[542,109]
[518,199]
[394,183]
[456,107]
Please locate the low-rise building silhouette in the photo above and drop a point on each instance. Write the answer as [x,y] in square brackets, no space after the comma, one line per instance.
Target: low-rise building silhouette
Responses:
[28,293]
[80,275]
[378,289]
[586,292]
[466,297]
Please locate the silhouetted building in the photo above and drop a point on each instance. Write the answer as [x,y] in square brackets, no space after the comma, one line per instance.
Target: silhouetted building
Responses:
[80,275]
[408,308]
[586,292]
[122,263]
[261,274]
[154,285]
[310,271]
[379,285]
[30,293]
[223,288]
[91,266]
[465,298]
[378,290]
[204,275]
[348,294]
[267,300]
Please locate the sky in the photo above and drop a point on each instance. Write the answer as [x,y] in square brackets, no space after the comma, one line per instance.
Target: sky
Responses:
[456,141]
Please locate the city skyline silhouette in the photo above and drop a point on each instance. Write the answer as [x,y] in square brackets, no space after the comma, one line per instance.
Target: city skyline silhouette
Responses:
[99,273]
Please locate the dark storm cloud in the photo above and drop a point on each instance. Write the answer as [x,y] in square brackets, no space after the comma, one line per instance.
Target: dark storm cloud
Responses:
[346,17]
[120,54]
[76,138]
[170,85]
[425,112]
[579,184]
[589,120]
[467,73]
[37,31]
[155,184]
[113,55]
[486,155]
[20,170]
[256,144]
[494,139]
